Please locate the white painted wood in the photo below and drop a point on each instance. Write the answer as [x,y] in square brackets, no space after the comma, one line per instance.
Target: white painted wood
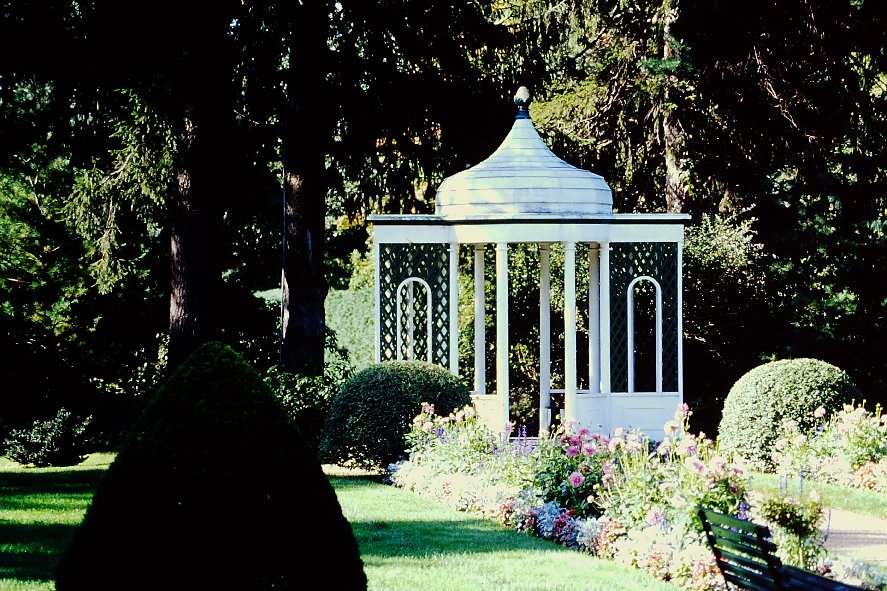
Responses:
[523,175]
[570,331]
[377,302]
[523,193]
[502,349]
[544,338]
[594,322]
[454,309]
[480,356]
[605,316]
[530,229]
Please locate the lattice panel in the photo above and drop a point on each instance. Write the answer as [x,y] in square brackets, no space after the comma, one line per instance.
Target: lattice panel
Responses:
[431,264]
[627,262]
[413,298]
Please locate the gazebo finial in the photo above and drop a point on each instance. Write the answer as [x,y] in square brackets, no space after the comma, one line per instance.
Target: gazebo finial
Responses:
[522,100]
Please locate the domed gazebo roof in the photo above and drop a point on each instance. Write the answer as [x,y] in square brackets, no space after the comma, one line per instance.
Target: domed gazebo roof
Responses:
[523,178]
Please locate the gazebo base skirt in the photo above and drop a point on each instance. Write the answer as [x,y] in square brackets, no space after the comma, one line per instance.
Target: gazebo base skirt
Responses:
[646,412]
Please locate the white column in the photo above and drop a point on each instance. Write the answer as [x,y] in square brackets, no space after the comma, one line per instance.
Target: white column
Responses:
[570,331]
[378,303]
[480,359]
[544,338]
[594,321]
[454,309]
[502,386]
[605,317]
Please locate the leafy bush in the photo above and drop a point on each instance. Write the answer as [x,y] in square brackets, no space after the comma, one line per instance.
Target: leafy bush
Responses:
[350,313]
[368,421]
[761,401]
[307,398]
[209,491]
[60,441]
[725,310]
[795,521]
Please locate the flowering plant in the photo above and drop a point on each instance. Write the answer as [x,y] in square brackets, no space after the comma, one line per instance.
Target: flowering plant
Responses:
[570,463]
[848,448]
[794,522]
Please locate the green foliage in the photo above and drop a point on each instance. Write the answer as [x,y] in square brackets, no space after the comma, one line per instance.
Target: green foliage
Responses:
[766,396]
[221,479]
[725,306]
[307,398]
[369,419]
[350,313]
[60,441]
[795,521]
[572,463]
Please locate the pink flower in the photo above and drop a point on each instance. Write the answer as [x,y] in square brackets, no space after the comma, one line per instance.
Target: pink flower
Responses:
[819,412]
[572,451]
[576,479]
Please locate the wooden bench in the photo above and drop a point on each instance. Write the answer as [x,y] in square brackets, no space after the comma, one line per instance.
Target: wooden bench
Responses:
[746,556]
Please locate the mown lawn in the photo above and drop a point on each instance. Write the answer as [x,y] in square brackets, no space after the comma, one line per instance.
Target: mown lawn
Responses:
[407,543]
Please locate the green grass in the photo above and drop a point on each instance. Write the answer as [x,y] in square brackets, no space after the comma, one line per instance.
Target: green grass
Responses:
[39,509]
[834,497]
[406,542]
[410,543]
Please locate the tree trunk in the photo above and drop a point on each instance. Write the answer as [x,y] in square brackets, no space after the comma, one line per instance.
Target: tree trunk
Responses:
[194,236]
[673,135]
[202,189]
[305,135]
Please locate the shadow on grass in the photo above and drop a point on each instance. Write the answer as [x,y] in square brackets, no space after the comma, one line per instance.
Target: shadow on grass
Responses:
[31,550]
[412,534]
[50,481]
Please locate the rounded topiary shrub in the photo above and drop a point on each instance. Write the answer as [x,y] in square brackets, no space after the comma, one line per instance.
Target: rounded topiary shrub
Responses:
[214,488]
[760,402]
[368,421]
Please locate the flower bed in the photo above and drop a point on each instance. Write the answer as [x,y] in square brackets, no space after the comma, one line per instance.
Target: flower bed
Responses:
[620,497]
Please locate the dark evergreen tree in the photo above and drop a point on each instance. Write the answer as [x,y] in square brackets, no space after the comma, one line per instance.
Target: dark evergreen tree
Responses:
[214,489]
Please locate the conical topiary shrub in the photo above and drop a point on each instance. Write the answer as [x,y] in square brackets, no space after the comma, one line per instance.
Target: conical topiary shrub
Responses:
[213,489]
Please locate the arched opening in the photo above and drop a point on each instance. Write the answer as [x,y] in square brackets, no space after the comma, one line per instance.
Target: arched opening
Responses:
[644,325]
[414,320]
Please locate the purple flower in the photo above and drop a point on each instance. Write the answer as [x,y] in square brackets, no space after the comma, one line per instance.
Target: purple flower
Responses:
[572,451]
[576,479]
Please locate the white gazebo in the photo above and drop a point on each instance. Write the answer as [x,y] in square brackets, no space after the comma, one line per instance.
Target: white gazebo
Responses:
[524,193]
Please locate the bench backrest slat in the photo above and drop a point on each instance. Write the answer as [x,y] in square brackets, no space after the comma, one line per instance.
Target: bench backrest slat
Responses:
[744,551]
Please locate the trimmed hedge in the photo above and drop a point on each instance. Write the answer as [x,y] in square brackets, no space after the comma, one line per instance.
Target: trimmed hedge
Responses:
[764,398]
[214,488]
[368,421]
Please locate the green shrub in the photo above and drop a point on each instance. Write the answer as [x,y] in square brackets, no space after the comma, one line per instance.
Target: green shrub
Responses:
[307,398]
[763,399]
[60,441]
[214,488]
[350,314]
[368,421]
